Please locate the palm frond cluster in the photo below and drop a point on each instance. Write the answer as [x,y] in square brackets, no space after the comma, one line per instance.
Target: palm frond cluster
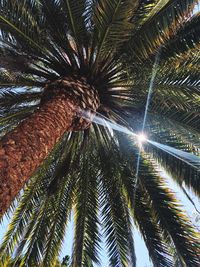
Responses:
[112,44]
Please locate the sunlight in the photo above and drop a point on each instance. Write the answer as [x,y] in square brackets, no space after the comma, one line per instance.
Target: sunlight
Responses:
[141,137]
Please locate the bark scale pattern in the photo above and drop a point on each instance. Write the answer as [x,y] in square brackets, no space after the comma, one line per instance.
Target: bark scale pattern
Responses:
[86,95]
[23,150]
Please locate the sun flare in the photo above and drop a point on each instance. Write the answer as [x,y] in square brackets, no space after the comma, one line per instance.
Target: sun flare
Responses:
[141,138]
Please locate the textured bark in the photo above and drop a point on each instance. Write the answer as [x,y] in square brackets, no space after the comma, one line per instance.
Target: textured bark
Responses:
[24,149]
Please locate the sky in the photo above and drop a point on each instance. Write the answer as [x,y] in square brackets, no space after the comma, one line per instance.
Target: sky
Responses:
[140,248]
[141,251]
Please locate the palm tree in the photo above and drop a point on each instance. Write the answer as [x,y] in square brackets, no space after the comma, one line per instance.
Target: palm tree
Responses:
[63,62]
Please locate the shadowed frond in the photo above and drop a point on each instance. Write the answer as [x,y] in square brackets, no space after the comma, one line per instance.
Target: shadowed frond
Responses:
[87,236]
[12,80]
[63,59]
[115,215]
[185,39]
[164,20]
[151,232]
[112,25]
[19,19]
[166,207]
[76,19]
[170,216]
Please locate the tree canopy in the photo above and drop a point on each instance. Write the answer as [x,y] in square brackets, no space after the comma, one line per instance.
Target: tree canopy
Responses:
[117,46]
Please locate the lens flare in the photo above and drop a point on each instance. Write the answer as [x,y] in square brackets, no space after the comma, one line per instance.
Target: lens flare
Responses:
[141,138]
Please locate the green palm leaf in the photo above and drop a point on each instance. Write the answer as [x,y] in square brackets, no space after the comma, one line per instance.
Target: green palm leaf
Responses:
[186,38]
[116,219]
[160,196]
[172,215]
[30,31]
[109,16]
[99,55]
[87,237]
[152,234]
[165,18]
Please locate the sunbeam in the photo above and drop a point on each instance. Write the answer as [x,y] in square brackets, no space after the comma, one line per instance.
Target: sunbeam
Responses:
[188,158]
[142,136]
[153,76]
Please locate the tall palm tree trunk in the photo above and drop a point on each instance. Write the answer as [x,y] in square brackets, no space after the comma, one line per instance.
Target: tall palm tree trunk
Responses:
[24,149]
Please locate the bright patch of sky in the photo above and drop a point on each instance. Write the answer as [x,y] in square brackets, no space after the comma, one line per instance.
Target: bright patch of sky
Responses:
[141,251]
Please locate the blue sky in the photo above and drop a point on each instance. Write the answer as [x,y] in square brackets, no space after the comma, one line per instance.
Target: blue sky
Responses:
[141,251]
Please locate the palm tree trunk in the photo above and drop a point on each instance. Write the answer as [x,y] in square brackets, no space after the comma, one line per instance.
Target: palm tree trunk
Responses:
[24,149]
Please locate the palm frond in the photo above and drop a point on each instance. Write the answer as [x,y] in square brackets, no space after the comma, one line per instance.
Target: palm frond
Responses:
[14,116]
[76,17]
[174,146]
[32,235]
[185,39]
[87,237]
[147,10]
[45,48]
[27,29]
[152,234]
[173,134]
[174,101]
[11,99]
[182,69]
[171,217]
[140,209]
[59,31]
[115,215]
[12,80]
[164,18]
[61,204]
[184,167]
[111,25]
